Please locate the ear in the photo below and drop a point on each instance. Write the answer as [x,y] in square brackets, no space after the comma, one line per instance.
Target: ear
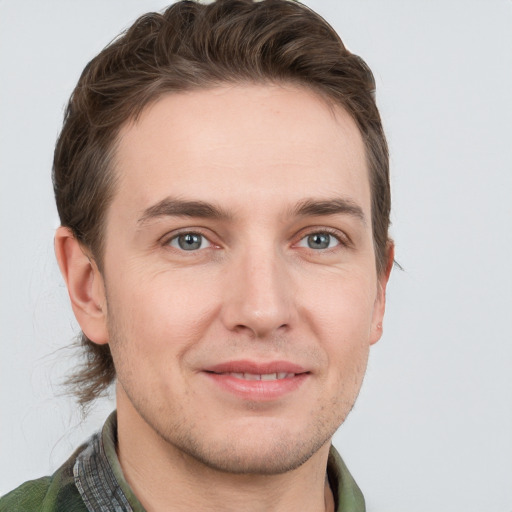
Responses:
[85,285]
[380,301]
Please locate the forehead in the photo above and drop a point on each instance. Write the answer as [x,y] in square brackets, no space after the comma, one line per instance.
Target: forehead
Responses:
[239,145]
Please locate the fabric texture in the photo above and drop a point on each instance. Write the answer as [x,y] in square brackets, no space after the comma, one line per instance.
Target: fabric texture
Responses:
[91,480]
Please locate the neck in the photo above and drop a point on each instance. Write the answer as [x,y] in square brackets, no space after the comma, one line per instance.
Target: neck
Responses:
[166,479]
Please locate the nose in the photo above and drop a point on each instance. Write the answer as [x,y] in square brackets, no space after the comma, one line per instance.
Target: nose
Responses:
[258,297]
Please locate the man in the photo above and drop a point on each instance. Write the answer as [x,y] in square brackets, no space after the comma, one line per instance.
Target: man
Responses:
[222,184]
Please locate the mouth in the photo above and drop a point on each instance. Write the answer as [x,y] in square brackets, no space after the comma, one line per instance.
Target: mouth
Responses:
[254,381]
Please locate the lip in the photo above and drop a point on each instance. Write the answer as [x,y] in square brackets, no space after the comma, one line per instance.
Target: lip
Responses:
[257,390]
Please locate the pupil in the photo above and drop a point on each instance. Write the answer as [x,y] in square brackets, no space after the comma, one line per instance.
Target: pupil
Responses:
[319,241]
[189,241]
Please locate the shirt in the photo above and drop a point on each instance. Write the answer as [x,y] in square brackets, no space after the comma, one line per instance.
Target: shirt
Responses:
[91,480]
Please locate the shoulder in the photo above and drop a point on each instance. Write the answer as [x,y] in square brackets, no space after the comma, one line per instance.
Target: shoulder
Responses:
[56,493]
[27,496]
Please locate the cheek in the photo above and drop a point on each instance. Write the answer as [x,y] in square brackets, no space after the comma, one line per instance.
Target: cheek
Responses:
[159,309]
[340,314]
[152,326]
[340,306]
[346,336]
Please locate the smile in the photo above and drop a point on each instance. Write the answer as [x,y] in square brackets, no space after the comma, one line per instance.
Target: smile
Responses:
[255,381]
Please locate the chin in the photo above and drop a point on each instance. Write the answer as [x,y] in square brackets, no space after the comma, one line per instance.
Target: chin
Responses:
[260,450]
[261,458]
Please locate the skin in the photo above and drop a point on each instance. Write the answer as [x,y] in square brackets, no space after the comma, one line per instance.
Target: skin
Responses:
[259,287]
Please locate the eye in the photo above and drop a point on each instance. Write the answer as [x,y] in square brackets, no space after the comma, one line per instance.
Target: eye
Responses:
[189,242]
[319,241]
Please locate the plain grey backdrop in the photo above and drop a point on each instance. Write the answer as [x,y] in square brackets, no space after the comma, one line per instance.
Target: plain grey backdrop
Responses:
[432,429]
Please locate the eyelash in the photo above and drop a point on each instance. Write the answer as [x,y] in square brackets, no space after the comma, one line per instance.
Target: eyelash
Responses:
[342,239]
[166,240]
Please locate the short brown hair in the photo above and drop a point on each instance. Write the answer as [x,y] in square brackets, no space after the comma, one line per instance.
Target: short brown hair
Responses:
[195,46]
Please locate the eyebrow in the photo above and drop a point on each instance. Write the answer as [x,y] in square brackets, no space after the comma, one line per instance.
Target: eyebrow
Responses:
[314,207]
[173,207]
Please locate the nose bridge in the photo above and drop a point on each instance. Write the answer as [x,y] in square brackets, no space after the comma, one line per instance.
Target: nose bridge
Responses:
[259,297]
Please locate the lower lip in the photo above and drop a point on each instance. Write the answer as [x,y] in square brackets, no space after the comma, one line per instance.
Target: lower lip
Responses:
[259,390]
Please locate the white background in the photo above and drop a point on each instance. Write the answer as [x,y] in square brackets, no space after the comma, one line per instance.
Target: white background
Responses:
[432,430]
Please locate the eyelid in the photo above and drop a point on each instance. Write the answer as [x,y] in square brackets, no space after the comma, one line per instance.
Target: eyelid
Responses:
[166,239]
[343,239]
[204,242]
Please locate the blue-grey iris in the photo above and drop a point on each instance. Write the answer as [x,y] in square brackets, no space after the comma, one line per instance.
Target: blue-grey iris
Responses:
[319,241]
[190,241]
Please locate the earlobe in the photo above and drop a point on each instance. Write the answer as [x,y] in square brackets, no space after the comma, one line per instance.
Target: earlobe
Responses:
[380,302]
[85,285]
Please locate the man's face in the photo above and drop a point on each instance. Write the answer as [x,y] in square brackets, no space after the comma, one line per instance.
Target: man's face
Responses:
[239,268]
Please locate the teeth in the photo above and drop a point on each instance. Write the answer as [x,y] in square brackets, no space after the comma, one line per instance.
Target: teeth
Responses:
[251,376]
[264,376]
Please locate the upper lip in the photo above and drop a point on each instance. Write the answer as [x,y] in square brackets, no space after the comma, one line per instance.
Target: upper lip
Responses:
[255,367]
